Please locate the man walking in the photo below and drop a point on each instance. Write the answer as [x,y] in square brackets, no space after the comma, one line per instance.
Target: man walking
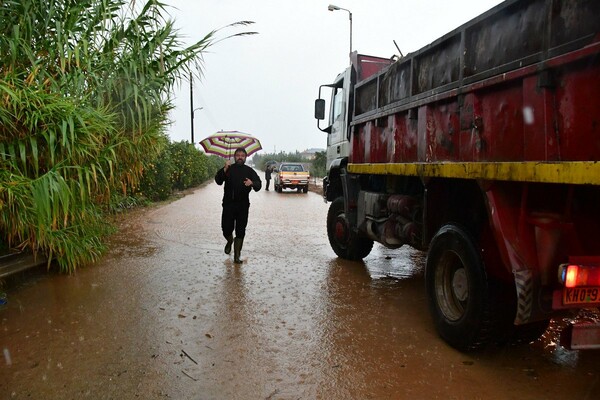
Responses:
[239,180]
[268,171]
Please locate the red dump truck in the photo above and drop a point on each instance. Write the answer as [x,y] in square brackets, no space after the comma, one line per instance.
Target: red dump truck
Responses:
[482,149]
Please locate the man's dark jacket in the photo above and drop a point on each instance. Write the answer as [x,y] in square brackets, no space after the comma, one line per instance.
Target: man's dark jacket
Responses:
[235,191]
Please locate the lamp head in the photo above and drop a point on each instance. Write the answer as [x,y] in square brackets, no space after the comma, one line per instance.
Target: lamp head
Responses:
[332,7]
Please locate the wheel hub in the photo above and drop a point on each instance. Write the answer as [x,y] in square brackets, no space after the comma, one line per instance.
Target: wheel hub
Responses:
[460,284]
[341,229]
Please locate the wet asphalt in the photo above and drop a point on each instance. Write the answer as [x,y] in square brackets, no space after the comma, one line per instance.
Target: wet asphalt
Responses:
[166,314]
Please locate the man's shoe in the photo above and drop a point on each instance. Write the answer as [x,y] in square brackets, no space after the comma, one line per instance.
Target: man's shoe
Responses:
[237,249]
[228,245]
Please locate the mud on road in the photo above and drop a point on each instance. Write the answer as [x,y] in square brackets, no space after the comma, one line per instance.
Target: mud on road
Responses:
[167,315]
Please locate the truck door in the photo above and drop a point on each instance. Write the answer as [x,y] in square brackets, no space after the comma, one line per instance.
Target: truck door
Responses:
[337,144]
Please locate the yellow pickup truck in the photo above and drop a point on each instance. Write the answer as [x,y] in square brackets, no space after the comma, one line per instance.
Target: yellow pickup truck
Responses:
[291,176]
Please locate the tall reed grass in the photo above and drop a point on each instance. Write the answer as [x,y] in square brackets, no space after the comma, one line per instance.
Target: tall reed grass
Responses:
[85,91]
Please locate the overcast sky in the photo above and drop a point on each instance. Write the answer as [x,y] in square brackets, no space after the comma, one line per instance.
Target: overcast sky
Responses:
[266,84]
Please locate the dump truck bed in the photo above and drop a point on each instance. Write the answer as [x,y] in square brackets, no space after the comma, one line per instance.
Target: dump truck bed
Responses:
[510,95]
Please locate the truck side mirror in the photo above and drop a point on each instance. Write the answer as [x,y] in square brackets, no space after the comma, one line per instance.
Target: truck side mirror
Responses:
[320,109]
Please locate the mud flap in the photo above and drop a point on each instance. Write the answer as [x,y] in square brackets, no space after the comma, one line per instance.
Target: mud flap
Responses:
[524,285]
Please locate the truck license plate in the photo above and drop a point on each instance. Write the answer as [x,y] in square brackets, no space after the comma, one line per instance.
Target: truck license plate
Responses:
[581,295]
[295,182]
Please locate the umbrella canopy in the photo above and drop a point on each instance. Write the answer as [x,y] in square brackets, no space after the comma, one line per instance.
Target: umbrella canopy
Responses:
[225,143]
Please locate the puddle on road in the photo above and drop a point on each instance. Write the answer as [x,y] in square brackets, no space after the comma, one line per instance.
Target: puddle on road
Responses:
[402,263]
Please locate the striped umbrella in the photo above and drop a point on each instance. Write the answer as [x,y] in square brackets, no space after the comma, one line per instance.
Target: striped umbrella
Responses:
[225,143]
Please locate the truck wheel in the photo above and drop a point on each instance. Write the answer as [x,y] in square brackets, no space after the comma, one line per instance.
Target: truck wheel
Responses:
[457,287]
[344,242]
[305,189]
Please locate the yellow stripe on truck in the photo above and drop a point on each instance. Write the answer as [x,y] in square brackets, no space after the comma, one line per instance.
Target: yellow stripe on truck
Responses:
[574,172]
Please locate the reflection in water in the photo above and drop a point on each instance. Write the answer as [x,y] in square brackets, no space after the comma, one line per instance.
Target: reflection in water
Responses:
[363,307]
[237,309]
[401,263]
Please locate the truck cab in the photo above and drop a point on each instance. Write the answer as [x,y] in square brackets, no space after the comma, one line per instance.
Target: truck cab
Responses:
[341,102]
[337,127]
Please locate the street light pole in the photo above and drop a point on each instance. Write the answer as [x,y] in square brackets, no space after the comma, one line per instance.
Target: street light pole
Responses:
[192,105]
[193,111]
[334,8]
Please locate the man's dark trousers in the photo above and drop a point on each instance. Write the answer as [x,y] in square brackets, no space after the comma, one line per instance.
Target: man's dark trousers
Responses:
[234,215]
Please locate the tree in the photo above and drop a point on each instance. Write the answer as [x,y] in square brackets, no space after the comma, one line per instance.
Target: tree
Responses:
[318,164]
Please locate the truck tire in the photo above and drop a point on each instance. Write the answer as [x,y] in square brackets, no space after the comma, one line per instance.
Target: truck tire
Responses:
[458,290]
[342,238]
[305,189]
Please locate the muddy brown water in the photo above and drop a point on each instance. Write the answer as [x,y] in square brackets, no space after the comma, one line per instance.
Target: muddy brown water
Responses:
[166,314]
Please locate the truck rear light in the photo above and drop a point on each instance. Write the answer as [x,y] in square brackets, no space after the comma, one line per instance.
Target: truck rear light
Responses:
[573,275]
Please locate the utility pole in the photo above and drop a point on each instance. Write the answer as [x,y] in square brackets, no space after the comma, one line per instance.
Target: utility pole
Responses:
[192,106]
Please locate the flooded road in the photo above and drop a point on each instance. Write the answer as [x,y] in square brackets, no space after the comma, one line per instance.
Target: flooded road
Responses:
[166,314]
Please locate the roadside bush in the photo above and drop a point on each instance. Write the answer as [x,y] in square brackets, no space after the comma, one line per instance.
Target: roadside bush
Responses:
[318,165]
[180,166]
[189,169]
[214,163]
[156,182]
